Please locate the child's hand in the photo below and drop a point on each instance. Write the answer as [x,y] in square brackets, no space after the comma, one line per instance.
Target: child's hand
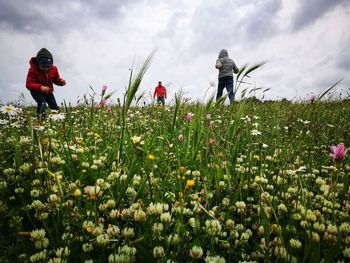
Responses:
[45,89]
[63,82]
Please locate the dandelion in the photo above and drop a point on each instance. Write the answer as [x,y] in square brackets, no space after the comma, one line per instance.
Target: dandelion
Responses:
[339,152]
[151,157]
[189,184]
[10,110]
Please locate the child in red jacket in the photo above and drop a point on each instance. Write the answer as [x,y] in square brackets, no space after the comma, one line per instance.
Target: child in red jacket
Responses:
[42,74]
[160,91]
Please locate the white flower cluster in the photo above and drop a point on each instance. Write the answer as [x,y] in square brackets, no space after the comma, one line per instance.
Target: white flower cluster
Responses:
[40,241]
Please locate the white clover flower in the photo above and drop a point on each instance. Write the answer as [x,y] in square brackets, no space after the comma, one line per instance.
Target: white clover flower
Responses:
[213,227]
[255,132]
[157,228]
[113,231]
[196,252]
[102,239]
[214,259]
[346,252]
[158,252]
[165,217]
[140,215]
[173,239]
[295,243]
[128,232]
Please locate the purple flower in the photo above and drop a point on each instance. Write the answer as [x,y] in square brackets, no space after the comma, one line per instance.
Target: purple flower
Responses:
[97,106]
[189,117]
[339,152]
[180,138]
[312,98]
[104,88]
[208,116]
[103,102]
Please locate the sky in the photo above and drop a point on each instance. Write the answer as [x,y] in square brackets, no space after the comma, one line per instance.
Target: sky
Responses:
[95,43]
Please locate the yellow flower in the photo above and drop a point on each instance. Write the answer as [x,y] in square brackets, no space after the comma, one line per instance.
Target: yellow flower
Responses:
[79,140]
[182,170]
[181,194]
[88,229]
[45,141]
[77,193]
[151,157]
[189,183]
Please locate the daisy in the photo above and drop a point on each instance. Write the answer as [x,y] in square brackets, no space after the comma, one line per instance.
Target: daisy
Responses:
[9,109]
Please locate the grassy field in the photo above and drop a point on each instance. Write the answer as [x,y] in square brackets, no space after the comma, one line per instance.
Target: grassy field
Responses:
[249,182]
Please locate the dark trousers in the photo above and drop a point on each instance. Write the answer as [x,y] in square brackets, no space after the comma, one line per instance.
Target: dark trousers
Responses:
[41,99]
[226,82]
[161,100]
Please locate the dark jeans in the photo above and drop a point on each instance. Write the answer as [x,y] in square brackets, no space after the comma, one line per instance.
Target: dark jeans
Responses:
[226,82]
[161,100]
[41,99]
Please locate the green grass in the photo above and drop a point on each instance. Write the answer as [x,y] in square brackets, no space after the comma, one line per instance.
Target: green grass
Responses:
[242,189]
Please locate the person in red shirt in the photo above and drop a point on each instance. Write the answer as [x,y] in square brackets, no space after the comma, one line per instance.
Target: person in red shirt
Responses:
[160,92]
[42,74]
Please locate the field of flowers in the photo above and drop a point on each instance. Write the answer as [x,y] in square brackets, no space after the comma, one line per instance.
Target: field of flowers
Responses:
[250,182]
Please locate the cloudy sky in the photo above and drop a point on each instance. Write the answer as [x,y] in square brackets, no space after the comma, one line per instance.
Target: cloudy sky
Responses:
[305,42]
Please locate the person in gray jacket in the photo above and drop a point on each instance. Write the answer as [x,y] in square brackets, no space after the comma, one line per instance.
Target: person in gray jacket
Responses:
[226,67]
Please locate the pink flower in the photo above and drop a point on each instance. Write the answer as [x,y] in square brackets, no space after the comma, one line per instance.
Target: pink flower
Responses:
[103,102]
[104,88]
[108,109]
[339,152]
[189,117]
[208,116]
[180,138]
[97,106]
[312,98]
[211,124]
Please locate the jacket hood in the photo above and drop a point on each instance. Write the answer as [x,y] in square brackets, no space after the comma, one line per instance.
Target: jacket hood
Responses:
[33,62]
[223,53]
[43,53]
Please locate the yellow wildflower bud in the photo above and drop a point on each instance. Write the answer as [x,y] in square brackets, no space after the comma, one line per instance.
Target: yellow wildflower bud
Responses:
[189,183]
[151,157]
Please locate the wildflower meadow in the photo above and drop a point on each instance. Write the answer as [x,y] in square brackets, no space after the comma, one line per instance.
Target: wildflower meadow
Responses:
[202,182]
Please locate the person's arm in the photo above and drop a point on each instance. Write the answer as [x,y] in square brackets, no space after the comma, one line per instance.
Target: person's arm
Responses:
[32,82]
[57,79]
[218,64]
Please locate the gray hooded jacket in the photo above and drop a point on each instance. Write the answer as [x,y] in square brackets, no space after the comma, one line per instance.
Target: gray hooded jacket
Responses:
[225,65]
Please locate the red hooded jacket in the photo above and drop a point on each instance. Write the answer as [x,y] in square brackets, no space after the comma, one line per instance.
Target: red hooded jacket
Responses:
[160,91]
[37,78]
